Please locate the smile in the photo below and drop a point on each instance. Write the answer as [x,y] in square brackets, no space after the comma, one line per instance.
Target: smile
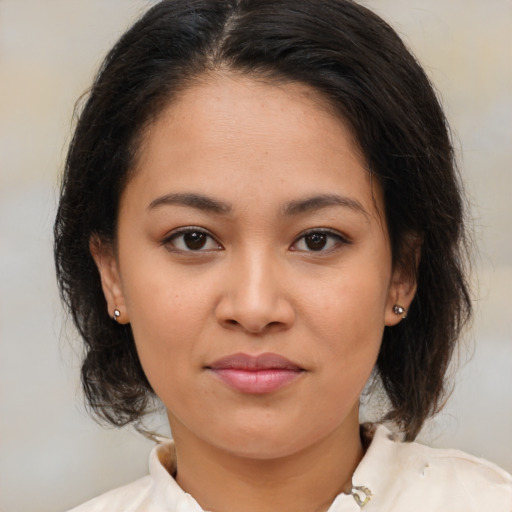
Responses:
[261,374]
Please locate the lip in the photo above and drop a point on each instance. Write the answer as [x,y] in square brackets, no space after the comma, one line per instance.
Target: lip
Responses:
[261,374]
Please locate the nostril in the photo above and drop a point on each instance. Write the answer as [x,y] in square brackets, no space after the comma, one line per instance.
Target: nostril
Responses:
[256,316]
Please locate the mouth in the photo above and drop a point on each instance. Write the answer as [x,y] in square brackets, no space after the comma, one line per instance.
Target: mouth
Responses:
[265,373]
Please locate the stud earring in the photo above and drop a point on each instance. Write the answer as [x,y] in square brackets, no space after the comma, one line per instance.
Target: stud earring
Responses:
[117,314]
[399,310]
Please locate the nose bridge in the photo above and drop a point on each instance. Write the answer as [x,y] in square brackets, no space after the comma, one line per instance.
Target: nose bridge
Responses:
[254,297]
[255,277]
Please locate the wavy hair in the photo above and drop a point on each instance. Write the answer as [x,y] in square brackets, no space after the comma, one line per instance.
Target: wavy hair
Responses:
[360,66]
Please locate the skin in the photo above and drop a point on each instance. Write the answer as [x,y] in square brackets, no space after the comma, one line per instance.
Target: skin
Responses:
[255,286]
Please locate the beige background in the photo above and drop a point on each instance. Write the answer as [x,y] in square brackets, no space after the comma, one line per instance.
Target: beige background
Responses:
[52,455]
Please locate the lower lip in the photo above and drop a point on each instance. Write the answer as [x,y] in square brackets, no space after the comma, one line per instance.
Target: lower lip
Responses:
[257,381]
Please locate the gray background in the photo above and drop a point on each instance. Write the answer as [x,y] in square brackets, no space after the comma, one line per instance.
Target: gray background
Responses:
[52,455]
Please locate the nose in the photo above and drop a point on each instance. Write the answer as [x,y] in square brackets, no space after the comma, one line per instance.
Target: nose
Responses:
[254,296]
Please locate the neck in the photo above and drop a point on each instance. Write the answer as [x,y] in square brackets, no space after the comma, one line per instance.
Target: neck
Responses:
[307,481]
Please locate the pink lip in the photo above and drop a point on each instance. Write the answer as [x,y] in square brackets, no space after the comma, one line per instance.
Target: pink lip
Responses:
[260,374]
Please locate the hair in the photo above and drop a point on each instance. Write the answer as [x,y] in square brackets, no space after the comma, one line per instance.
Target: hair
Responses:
[359,65]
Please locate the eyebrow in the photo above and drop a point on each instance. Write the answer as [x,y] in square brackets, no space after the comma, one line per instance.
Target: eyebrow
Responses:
[197,201]
[300,206]
[296,207]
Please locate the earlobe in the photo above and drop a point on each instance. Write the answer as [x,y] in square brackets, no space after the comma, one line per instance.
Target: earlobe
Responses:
[404,282]
[401,294]
[104,256]
[400,297]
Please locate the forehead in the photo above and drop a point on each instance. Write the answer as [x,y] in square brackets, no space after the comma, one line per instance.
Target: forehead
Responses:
[237,135]
[250,110]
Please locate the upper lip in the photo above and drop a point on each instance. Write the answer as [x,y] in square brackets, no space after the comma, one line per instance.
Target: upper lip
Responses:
[266,361]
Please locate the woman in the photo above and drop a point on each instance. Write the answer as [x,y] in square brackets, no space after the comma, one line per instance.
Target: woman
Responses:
[260,209]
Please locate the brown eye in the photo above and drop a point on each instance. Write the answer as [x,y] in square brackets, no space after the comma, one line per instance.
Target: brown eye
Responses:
[191,240]
[319,241]
[315,241]
[195,240]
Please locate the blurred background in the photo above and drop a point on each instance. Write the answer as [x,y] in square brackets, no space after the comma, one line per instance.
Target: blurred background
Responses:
[52,456]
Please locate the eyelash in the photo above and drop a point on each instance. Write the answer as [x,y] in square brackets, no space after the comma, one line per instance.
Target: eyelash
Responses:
[339,240]
[181,232]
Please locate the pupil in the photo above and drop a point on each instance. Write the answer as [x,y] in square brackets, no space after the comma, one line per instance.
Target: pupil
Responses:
[195,240]
[316,241]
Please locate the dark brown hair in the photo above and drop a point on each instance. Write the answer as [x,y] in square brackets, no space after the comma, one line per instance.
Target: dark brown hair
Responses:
[359,65]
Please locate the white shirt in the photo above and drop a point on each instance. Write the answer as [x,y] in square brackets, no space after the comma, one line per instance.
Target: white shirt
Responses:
[392,477]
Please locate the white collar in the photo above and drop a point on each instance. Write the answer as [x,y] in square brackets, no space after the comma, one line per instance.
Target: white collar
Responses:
[368,480]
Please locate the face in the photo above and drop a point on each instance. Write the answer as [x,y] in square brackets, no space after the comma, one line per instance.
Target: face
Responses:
[254,266]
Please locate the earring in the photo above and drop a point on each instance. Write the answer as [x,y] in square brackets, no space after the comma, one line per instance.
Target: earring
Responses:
[399,310]
[117,314]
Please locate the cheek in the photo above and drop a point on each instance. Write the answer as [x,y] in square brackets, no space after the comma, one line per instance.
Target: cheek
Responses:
[350,308]
[158,292]
[167,313]
[350,332]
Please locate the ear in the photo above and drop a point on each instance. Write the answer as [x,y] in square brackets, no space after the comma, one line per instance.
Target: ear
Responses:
[403,284]
[104,256]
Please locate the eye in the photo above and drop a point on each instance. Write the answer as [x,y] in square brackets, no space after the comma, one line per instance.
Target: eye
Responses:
[319,241]
[191,239]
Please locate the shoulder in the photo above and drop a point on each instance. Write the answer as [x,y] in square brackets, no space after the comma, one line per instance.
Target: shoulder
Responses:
[455,475]
[128,498]
[425,479]
[157,492]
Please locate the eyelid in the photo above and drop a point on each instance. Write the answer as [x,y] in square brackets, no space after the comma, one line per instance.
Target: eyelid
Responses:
[175,233]
[342,239]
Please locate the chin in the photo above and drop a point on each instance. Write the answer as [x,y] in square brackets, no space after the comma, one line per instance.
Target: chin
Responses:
[268,441]
[264,449]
